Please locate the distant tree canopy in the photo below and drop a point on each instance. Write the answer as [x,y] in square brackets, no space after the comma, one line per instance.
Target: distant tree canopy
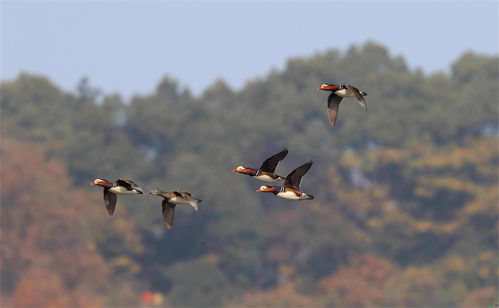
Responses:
[405,212]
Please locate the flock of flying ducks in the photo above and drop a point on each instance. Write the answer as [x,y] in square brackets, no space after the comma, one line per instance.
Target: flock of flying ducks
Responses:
[290,189]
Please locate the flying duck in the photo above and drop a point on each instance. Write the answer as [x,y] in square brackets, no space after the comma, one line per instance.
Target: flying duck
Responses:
[266,171]
[338,92]
[120,187]
[291,187]
[170,200]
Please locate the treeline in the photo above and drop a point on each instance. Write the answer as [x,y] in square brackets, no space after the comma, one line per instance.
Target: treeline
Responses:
[405,212]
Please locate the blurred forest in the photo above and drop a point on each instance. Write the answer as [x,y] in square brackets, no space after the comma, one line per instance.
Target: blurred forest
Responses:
[406,195]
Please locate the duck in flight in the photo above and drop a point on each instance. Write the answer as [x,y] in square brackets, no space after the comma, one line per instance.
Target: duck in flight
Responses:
[266,171]
[111,189]
[338,92]
[291,188]
[170,200]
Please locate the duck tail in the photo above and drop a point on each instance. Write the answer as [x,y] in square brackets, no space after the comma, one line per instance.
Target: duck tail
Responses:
[195,205]
[310,197]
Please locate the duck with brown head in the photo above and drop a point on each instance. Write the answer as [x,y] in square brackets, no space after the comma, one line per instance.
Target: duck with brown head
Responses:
[266,171]
[291,188]
[172,199]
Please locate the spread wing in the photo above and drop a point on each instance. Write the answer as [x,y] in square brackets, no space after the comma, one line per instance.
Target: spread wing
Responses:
[109,201]
[358,96]
[333,107]
[178,193]
[168,210]
[294,178]
[271,163]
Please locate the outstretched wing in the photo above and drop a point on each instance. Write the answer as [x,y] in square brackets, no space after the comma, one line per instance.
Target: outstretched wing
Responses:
[109,201]
[271,163]
[294,178]
[168,210]
[358,97]
[333,107]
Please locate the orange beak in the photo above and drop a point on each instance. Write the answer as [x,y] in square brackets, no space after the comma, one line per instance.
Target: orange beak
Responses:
[244,171]
[327,87]
[267,189]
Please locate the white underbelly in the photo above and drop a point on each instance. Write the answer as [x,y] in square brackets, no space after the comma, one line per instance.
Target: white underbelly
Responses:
[288,195]
[343,93]
[264,178]
[121,190]
[178,200]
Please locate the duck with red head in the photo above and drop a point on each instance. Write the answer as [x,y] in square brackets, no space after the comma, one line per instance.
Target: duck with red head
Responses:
[338,92]
[111,189]
[291,188]
[266,171]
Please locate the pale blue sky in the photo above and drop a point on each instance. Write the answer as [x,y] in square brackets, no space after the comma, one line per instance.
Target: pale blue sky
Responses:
[128,46]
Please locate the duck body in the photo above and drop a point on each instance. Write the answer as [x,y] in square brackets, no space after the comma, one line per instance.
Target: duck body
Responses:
[125,190]
[258,174]
[289,193]
[338,92]
[170,200]
[266,171]
[292,194]
[119,187]
[290,190]
[267,176]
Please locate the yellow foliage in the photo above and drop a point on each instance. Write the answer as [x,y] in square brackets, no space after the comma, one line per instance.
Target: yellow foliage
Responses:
[349,159]
[454,264]
[124,262]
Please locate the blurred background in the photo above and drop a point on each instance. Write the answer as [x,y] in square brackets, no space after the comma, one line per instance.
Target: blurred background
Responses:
[175,95]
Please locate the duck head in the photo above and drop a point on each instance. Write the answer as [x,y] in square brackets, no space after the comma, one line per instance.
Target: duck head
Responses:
[101,182]
[328,87]
[268,189]
[245,170]
[156,192]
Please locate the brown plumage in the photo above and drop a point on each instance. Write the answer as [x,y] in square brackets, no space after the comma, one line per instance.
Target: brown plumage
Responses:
[291,188]
[266,171]
[171,199]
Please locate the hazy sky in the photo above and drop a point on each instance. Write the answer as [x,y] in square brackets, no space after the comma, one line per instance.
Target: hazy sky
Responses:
[128,46]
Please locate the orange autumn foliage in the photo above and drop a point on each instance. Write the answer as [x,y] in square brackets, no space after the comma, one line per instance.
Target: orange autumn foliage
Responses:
[361,283]
[47,259]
